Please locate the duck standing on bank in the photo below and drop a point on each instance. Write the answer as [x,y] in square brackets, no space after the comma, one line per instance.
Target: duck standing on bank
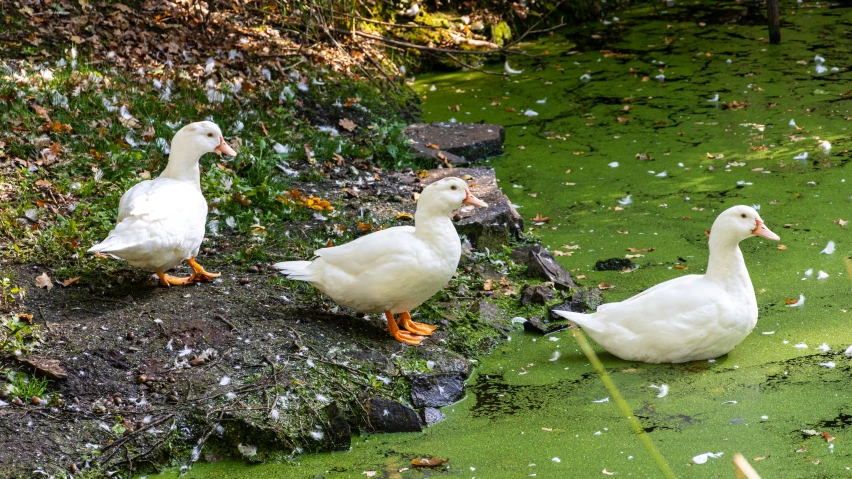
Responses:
[393,271]
[161,222]
[689,318]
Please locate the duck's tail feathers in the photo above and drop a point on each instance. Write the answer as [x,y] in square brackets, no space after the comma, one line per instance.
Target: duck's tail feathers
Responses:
[112,244]
[297,270]
[587,321]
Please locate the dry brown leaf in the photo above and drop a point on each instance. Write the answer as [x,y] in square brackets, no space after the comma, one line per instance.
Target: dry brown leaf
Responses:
[715,157]
[347,124]
[571,246]
[68,282]
[309,152]
[405,216]
[432,145]
[43,183]
[562,253]
[781,246]
[42,112]
[623,119]
[680,266]
[44,281]
[841,222]
[365,226]
[540,219]
[828,437]
[241,199]
[434,461]
[642,250]
[488,286]
[605,286]
[581,276]
[622,232]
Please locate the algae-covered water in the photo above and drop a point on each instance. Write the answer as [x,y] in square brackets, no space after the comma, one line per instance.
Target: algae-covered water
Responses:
[627,160]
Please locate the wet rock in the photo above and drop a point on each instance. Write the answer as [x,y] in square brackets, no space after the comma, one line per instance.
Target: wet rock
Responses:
[574,306]
[489,312]
[592,297]
[430,416]
[461,143]
[614,264]
[384,415]
[540,264]
[538,294]
[536,325]
[447,362]
[490,227]
[50,368]
[339,432]
[436,390]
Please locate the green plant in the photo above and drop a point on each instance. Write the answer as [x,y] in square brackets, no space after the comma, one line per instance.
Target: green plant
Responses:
[10,293]
[25,387]
[18,337]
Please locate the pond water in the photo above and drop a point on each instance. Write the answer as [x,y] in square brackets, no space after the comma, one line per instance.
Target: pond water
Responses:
[628,160]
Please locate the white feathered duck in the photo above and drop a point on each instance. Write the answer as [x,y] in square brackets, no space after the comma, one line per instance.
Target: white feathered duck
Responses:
[690,318]
[394,270]
[161,222]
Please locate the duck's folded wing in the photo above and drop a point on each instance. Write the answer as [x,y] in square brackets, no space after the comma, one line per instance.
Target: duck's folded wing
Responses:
[683,281]
[396,245]
[160,199]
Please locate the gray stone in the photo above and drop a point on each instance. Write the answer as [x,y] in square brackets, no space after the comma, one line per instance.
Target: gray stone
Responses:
[574,306]
[490,313]
[436,390]
[384,415]
[538,294]
[490,227]
[460,143]
[430,416]
[339,432]
[535,325]
[591,297]
[541,264]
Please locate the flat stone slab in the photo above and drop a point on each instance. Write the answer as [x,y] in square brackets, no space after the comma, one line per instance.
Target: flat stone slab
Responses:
[385,415]
[436,390]
[460,143]
[489,227]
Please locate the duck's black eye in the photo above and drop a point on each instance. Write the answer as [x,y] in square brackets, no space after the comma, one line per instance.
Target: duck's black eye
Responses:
[454,187]
[211,136]
[743,215]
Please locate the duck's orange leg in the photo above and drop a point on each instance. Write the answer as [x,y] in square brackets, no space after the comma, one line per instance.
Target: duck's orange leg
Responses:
[169,280]
[422,329]
[401,336]
[198,273]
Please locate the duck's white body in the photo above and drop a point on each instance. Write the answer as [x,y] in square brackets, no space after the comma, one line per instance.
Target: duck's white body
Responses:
[161,222]
[690,318]
[395,270]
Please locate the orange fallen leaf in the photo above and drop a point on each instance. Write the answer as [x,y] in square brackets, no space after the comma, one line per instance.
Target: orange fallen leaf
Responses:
[488,286]
[241,199]
[350,102]
[841,222]
[680,266]
[70,281]
[540,219]
[43,183]
[28,318]
[432,145]
[789,301]
[828,437]
[605,286]
[715,157]
[434,461]
[781,246]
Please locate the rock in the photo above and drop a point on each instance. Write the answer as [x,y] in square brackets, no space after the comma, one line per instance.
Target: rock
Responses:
[384,415]
[538,294]
[49,368]
[430,416]
[489,312]
[460,143]
[490,227]
[339,433]
[436,390]
[535,325]
[591,297]
[445,361]
[614,264]
[574,306]
[540,264]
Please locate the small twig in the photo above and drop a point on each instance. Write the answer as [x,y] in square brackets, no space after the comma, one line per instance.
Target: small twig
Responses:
[225,320]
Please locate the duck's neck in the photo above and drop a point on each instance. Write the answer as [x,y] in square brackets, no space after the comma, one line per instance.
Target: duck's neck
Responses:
[183,164]
[726,261]
[437,227]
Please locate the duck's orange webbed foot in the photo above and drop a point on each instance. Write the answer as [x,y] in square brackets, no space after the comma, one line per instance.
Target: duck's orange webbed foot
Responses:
[169,280]
[401,336]
[422,329]
[198,273]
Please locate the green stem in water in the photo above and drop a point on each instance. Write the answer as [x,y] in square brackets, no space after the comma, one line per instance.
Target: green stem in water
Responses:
[622,404]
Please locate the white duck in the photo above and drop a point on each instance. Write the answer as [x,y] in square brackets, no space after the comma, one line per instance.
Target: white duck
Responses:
[689,318]
[161,222]
[394,270]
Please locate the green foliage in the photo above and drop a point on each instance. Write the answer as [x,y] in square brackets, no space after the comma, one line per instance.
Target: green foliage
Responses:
[18,337]
[10,293]
[25,387]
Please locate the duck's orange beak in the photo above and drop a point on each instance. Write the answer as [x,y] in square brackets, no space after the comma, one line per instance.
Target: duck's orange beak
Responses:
[469,199]
[760,229]
[224,148]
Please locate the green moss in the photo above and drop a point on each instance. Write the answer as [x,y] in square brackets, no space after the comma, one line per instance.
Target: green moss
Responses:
[501,33]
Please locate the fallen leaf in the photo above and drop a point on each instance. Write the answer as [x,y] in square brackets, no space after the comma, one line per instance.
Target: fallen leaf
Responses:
[42,112]
[488,286]
[781,246]
[680,266]
[642,250]
[43,183]
[241,199]
[540,219]
[562,253]
[623,119]
[309,152]
[405,216]
[644,156]
[631,256]
[347,124]
[432,145]
[715,157]
[70,281]
[605,286]
[571,246]
[841,222]
[618,208]
[622,232]
[581,276]
[365,226]
[43,281]
[828,437]
[434,461]
[789,301]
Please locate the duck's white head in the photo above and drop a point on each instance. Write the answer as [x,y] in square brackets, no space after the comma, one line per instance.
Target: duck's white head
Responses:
[444,196]
[740,222]
[201,137]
